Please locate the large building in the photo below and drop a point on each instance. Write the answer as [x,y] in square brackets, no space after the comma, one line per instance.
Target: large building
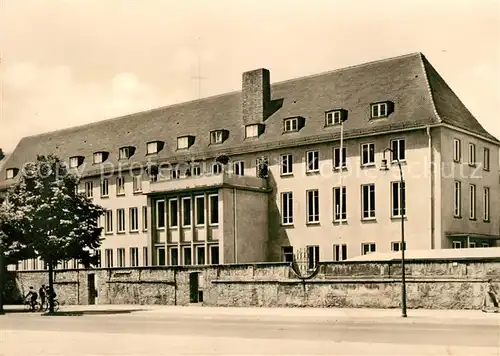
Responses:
[258,175]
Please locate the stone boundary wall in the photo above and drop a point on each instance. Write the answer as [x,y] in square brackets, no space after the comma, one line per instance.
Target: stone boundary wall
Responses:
[431,284]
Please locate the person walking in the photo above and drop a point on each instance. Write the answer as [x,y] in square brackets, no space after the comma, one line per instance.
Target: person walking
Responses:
[491,294]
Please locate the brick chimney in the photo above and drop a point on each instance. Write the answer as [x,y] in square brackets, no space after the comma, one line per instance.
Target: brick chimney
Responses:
[256,96]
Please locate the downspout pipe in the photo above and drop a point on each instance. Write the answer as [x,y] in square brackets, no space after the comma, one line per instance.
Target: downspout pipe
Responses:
[432,187]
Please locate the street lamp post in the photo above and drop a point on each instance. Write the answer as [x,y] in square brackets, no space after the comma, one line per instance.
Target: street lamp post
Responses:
[402,207]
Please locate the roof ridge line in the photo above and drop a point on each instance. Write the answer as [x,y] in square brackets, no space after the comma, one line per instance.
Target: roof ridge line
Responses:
[107,120]
[426,75]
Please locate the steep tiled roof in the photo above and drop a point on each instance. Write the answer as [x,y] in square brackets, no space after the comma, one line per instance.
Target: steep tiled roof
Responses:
[409,81]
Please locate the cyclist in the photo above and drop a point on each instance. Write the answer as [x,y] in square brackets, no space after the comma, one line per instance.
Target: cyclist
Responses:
[32,296]
[42,293]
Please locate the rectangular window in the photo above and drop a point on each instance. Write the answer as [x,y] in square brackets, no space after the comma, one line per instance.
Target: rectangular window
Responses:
[457,244]
[104,188]
[472,154]
[214,209]
[200,255]
[340,252]
[186,212]
[134,219]
[145,256]
[216,168]
[121,220]
[175,173]
[262,166]
[472,201]
[286,164]
[485,245]
[333,118]
[186,251]
[134,257]
[152,148]
[108,258]
[120,186]
[216,137]
[97,157]
[398,201]
[160,214]
[472,245]
[73,162]
[174,256]
[252,131]
[173,212]
[367,248]
[144,218]
[196,170]
[457,150]
[396,246]
[291,125]
[121,257]
[339,204]
[89,189]
[312,256]
[486,203]
[458,199]
[160,256]
[287,208]
[182,143]
[312,161]
[10,173]
[368,200]
[312,206]
[287,254]
[200,210]
[137,183]
[109,221]
[124,153]
[338,159]
[486,159]
[398,150]
[214,255]
[379,110]
[367,154]
[239,168]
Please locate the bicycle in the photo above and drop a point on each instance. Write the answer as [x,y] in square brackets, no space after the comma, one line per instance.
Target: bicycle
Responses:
[45,306]
[29,307]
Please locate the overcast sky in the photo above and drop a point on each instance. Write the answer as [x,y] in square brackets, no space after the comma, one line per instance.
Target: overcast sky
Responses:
[70,62]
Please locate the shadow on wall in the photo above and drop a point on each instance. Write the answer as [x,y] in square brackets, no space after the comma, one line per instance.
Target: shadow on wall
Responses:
[278,236]
[12,293]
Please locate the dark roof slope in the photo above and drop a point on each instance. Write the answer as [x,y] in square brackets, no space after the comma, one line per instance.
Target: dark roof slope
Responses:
[404,80]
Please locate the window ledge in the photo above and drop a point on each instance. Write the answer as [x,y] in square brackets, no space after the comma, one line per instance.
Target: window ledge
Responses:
[286,175]
[368,165]
[486,220]
[337,222]
[486,169]
[134,231]
[399,217]
[338,169]
[287,225]
[108,233]
[121,232]
[472,165]
[160,228]
[369,220]
[456,161]
[172,228]
[213,225]
[315,172]
[120,195]
[457,216]
[138,192]
[402,161]
[473,219]
[313,223]
[104,196]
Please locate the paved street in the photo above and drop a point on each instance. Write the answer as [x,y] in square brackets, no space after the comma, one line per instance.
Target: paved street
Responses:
[141,330]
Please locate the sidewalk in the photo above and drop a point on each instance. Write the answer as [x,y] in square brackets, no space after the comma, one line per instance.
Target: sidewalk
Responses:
[272,313]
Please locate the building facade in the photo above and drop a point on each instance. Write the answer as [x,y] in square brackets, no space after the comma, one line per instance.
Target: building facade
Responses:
[294,167]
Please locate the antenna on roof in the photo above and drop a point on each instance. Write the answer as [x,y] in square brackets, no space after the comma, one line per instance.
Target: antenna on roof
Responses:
[198,76]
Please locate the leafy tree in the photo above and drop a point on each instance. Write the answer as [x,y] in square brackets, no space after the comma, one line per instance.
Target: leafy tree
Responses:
[58,223]
[13,246]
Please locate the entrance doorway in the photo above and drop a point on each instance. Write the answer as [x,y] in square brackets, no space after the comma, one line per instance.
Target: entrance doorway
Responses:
[92,290]
[193,287]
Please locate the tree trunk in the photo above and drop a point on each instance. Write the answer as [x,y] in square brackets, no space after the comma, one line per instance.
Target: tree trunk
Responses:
[2,279]
[51,288]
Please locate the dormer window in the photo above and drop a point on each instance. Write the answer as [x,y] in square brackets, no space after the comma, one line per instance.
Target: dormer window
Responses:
[335,117]
[100,157]
[218,136]
[11,173]
[184,142]
[254,130]
[75,161]
[382,109]
[154,147]
[126,152]
[291,125]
